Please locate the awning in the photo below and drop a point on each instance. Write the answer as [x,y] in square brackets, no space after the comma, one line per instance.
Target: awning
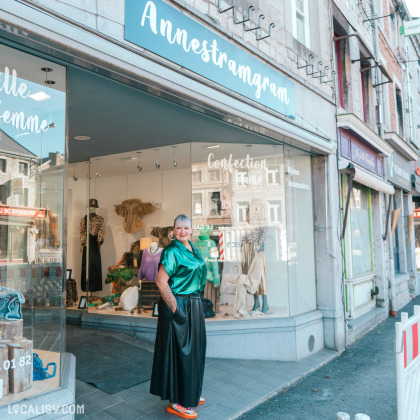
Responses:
[365,178]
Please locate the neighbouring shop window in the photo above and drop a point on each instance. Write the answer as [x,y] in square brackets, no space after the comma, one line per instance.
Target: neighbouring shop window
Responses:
[360,230]
[300,10]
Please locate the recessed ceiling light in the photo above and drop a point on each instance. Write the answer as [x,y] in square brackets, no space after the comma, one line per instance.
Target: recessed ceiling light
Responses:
[128,158]
[213,147]
[82,137]
[40,96]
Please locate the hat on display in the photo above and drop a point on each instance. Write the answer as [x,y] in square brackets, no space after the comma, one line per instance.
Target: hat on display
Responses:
[93,202]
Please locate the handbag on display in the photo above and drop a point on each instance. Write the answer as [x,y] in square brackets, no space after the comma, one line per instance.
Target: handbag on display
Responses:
[129,298]
[230,280]
[10,304]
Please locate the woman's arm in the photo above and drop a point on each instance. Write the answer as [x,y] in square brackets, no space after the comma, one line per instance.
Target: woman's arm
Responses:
[164,289]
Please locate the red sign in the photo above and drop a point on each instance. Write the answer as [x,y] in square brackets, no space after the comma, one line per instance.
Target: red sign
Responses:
[417,213]
[22,211]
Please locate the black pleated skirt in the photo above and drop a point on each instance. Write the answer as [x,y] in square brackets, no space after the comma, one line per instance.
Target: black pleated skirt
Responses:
[180,353]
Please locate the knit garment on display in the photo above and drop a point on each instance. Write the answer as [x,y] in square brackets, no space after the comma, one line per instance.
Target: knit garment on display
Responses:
[149,265]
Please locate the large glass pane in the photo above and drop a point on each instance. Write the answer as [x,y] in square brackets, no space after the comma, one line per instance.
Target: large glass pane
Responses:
[136,197]
[240,225]
[300,233]
[32,145]
[361,236]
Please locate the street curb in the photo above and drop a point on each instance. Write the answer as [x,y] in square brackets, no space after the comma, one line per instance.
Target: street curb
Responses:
[282,387]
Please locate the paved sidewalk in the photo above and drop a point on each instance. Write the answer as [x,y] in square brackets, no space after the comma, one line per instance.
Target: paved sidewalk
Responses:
[231,387]
[361,380]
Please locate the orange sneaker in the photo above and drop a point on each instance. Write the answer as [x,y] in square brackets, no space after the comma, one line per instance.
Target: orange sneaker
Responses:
[179,410]
[202,401]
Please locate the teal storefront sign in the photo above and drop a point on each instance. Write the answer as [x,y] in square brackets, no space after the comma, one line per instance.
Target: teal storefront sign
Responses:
[171,34]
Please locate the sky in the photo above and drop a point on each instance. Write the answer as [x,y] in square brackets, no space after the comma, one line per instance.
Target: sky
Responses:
[413,7]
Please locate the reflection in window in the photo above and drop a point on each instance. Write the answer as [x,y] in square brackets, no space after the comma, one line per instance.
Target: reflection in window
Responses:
[23,168]
[213,175]
[197,203]
[361,238]
[196,177]
[273,176]
[241,178]
[214,203]
[2,165]
[242,211]
[274,211]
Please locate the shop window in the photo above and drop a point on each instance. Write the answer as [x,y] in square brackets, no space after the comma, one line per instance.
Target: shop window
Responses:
[213,175]
[197,204]
[396,250]
[399,109]
[3,165]
[23,168]
[274,211]
[360,230]
[196,177]
[300,19]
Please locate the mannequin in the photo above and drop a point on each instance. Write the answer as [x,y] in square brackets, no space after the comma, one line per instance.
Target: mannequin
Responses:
[150,262]
[96,239]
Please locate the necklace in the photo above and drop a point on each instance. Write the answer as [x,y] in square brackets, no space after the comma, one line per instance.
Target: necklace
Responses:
[155,252]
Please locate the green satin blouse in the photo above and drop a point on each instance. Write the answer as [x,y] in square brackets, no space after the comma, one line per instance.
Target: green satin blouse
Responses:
[187,270]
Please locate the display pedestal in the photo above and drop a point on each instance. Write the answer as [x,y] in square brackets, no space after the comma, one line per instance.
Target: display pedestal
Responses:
[11,329]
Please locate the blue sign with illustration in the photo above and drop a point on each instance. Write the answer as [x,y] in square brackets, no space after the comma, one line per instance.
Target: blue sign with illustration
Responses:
[166,31]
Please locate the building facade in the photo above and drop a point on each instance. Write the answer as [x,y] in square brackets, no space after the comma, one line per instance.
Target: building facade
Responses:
[267,123]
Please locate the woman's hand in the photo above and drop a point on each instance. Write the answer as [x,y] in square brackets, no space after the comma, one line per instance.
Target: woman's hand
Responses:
[164,289]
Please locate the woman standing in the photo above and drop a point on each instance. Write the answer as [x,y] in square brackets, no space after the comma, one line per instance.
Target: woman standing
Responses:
[180,346]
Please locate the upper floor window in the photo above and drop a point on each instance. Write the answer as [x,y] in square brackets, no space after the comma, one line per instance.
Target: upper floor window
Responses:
[2,165]
[339,69]
[399,108]
[300,21]
[23,168]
